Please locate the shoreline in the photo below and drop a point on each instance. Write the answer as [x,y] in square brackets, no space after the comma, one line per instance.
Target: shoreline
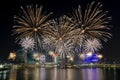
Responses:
[78,66]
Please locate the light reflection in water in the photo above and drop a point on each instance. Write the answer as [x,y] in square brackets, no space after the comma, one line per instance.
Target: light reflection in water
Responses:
[62,74]
[70,74]
[42,74]
[26,74]
[3,74]
[13,74]
[55,73]
[36,74]
[92,74]
[115,74]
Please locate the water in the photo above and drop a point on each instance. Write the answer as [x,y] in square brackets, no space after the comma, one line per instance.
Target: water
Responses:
[60,74]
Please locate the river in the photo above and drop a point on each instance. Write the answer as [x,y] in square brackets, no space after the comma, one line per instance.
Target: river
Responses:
[61,74]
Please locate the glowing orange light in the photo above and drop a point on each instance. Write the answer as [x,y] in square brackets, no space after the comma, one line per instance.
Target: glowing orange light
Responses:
[83,31]
[12,56]
[60,38]
[35,29]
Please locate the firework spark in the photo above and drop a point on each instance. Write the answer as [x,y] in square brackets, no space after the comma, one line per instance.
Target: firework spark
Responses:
[27,43]
[30,22]
[93,22]
[64,48]
[92,45]
[62,35]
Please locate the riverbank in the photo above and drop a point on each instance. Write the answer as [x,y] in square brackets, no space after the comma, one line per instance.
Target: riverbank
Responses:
[51,65]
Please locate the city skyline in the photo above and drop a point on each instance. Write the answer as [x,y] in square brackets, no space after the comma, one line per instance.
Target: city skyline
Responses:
[7,42]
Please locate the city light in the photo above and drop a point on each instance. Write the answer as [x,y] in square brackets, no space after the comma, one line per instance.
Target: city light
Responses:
[90,57]
[12,56]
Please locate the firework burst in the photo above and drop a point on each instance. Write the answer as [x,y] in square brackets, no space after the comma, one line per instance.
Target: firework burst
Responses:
[61,35]
[93,22]
[92,45]
[65,35]
[27,43]
[30,22]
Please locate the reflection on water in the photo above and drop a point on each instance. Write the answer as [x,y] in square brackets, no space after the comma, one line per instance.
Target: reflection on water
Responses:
[92,74]
[3,74]
[60,74]
[12,74]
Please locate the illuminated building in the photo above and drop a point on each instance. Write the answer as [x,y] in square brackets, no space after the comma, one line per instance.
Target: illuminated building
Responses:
[90,57]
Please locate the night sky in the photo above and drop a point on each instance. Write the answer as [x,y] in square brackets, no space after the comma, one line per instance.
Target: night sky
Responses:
[110,50]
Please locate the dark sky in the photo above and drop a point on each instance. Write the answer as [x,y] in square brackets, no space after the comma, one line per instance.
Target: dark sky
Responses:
[111,49]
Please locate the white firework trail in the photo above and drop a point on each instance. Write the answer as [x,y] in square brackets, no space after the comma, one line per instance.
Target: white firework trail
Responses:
[27,43]
[79,41]
[48,43]
[64,48]
[92,45]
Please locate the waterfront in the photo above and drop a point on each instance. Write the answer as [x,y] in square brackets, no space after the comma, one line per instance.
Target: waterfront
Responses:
[61,74]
